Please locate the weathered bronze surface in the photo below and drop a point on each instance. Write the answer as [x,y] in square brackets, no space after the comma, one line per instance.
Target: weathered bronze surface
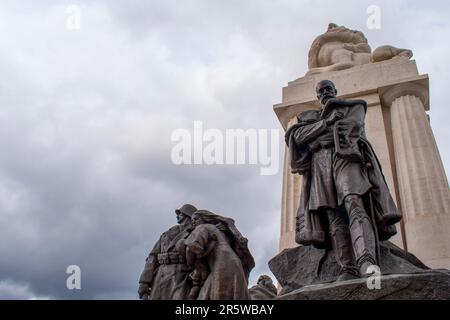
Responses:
[264,289]
[345,203]
[204,257]
[220,257]
[165,274]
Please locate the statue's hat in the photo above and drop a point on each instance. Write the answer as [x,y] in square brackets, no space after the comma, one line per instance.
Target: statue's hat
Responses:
[187,209]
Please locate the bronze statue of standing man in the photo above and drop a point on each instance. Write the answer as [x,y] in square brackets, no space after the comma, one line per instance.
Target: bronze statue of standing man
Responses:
[345,202]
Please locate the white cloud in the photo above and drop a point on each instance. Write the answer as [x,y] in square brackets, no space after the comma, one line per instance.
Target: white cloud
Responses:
[14,291]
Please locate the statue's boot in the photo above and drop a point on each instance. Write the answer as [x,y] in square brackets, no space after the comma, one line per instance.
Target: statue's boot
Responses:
[363,237]
[342,246]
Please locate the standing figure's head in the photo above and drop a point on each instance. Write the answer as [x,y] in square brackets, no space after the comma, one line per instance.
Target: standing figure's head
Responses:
[208,217]
[185,213]
[325,90]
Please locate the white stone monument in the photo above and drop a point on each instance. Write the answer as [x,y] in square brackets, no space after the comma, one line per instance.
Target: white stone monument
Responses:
[397,125]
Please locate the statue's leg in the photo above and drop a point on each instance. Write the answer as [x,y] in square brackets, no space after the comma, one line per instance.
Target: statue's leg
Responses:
[361,232]
[342,245]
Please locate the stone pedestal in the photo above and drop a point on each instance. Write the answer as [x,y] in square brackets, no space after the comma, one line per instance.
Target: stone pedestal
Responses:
[428,285]
[303,266]
[397,127]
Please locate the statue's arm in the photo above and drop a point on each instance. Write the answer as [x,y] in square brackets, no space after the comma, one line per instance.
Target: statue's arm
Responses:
[191,257]
[150,267]
[151,264]
[307,133]
[357,48]
[196,243]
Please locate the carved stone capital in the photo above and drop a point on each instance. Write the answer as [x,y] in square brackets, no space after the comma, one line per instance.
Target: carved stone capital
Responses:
[417,88]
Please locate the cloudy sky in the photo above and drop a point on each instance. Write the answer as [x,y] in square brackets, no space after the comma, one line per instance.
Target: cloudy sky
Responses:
[86,117]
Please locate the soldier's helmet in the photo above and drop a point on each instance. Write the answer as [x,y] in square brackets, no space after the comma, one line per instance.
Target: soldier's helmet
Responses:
[187,209]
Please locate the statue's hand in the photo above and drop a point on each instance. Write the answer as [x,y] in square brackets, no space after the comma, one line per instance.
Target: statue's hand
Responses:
[335,116]
[144,289]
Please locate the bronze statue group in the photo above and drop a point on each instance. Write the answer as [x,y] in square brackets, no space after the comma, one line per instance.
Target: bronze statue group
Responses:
[345,205]
[204,257]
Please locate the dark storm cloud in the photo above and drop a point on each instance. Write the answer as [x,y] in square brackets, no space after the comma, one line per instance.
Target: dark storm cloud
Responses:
[86,119]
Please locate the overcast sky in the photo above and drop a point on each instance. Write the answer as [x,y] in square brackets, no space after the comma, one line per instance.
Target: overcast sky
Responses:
[86,118]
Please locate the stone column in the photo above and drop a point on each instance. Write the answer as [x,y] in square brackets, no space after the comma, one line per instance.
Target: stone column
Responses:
[290,199]
[378,134]
[423,188]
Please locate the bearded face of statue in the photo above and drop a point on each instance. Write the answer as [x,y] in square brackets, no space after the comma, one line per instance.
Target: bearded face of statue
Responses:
[325,90]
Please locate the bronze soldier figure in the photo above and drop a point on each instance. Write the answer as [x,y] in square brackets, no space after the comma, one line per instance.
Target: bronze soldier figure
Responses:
[345,202]
[165,275]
